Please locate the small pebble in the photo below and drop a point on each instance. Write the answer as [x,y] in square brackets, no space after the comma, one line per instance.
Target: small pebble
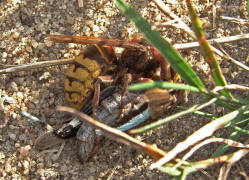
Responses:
[4,55]
[34,43]
[41,46]
[66,55]
[48,43]
[16,35]
[26,171]
[14,115]
[2,44]
[220,109]
[29,49]
[19,95]
[45,76]
[25,164]
[17,145]
[225,70]
[9,100]
[2,155]
[22,137]
[12,136]
[123,19]
[71,45]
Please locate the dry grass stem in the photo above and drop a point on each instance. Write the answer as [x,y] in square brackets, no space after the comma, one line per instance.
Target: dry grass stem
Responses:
[231,87]
[231,160]
[36,65]
[236,20]
[241,65]
[183,46]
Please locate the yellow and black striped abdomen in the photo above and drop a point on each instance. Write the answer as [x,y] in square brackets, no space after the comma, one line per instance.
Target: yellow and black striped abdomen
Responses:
[81,76]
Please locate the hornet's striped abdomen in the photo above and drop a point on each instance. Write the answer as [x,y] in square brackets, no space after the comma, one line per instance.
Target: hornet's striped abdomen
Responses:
[81,76]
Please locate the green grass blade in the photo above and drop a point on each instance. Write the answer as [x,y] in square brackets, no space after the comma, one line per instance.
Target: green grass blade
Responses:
[233,136]
[206,50]
[167,168]
[167,51]
[239,129]
[200,113]
[223,148]
[161,122]
[164,85]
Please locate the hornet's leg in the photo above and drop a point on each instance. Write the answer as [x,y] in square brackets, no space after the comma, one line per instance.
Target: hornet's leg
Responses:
[95,102]
[126,80]
[96,97]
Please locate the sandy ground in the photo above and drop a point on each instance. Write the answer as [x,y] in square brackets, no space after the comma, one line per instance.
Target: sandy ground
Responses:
[22,29]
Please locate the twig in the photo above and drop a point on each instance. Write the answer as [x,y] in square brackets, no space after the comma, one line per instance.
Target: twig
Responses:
[6,66]
[165,9]
[36,65]
[232,59]
[235,20]
[93,40]
[221,159]
[70,60]
[231,87]
[214,12]
[208,141]
[177,46]
[232,160]
[212,41]
[33,118]
[199,135]
[181,23]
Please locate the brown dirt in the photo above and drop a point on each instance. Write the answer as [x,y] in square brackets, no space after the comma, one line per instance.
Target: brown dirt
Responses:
[22,29]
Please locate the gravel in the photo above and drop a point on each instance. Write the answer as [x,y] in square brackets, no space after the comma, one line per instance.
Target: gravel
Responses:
[22,29]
